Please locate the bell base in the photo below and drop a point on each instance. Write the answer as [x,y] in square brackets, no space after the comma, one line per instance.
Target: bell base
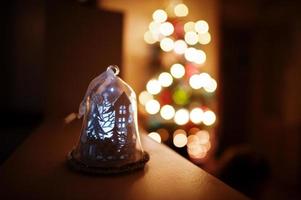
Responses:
[129,167]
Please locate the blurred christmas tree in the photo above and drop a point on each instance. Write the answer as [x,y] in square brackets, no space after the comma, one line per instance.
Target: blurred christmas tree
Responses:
[177,100]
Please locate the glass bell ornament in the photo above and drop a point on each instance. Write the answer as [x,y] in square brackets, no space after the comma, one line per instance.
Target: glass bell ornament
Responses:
[109,142]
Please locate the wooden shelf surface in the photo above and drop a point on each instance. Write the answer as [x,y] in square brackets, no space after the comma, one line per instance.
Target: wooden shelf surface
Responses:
[37,170]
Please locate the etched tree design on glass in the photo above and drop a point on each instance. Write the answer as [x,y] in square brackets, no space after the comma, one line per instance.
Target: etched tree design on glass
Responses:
[102,119]
[94,130]
[107,117]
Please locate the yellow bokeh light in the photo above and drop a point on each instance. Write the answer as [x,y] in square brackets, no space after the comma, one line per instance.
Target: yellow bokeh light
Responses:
[167,44]
[201,26]
[204,38]
[177,70]
[189,26]
[196,115]
[153,86]
[148,38]
[152,106]
[209,118]
[180,46]
[181,116]
[191,37]
[155,136]
[144,97]
[166,29]
[159,16]
[181,10]
[194,81]
[167,112]
[165,79]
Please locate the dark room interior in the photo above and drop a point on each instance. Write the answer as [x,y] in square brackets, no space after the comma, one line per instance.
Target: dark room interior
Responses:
[51,50]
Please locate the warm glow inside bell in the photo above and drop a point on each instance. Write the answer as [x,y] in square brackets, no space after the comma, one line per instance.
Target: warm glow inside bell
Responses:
[109,142]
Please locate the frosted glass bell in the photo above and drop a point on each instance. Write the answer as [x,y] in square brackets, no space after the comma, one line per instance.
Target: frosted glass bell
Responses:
[109,141]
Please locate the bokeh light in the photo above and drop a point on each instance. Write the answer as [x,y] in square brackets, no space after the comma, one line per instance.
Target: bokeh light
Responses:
[179,131]
[177,70]
[207,146]
[180,46]
[204,78]
[203,136]
[159,16]
[144,97]
[196,115]
[148,38]
[181,10]
[181,116]
[179,138]
[166,29]
[165,79]
[201,26]
[152,106]
[153,86]
[167,44]
[167,112]
[195,81]
[204,38]
[189,26]
[199,57]
[192,139]
[161,31]
[154,28]
[180,96]
[209,118]
[155,136]
[210,85]
[198,145]
[191,37]
[195,55]
[196,151]
[190,54]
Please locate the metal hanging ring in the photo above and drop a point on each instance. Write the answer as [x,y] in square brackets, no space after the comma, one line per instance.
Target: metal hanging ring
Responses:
[114,68]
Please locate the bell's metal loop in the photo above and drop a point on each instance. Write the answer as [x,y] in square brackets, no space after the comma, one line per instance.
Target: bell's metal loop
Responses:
[114,68]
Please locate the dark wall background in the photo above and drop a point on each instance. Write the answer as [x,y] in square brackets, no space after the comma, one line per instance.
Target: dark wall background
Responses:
[260,87]
[50,51]
[81,42]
